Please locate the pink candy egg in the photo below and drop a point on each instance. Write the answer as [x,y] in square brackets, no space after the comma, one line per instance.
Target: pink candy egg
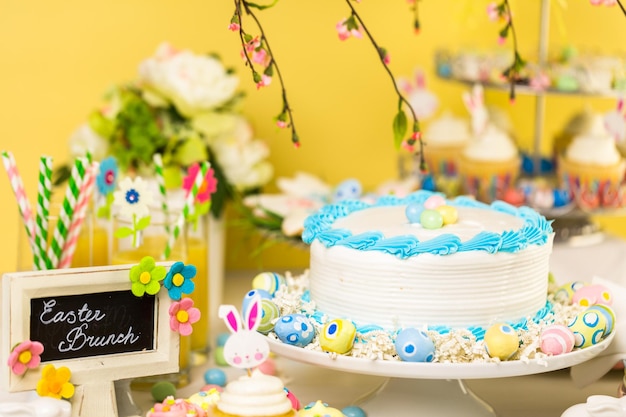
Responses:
[592,294]
[268,367]
[557,339]
[434,201]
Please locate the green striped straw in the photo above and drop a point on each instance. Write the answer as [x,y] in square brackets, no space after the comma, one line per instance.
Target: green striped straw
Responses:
[55,251]
[158,169]
[44,191]
[189,203]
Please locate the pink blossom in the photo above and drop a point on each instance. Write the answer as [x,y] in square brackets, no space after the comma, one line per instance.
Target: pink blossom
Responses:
[492,12]
[407,147]
[182,315]
[234,27]
[252,44]
[501,40]
[386,59]
[260,56]
[265,81]
[281,123]
[208,187]
[344,33]
[25,355]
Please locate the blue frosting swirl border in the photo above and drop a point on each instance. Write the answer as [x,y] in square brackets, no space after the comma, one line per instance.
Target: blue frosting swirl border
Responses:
[536,229]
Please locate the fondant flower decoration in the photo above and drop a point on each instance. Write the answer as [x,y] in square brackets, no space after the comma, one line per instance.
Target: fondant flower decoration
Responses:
[182,315]
[107,177]
[55,383]
[209,185]
[133,200]
[146,277]
[178,280]
[25,355]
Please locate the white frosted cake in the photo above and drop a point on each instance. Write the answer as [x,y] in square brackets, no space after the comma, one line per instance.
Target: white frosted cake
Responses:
[371,265]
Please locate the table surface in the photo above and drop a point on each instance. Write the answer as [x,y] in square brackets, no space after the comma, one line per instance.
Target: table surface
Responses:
[541,395]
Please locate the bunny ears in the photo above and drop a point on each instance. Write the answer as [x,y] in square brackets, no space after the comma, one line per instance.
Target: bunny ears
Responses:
[251,319]
[475,104]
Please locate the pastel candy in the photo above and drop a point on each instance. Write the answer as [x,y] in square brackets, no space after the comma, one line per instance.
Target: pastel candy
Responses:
[413,212]
[434,201]
[449,214]
[565,292]
[268,281]
[353,411]
[413,345]
[338,336]
[247,299]
[588,328]
[431,219]
[501,341]
[609,316]
[294,329]
[589,295]
[215,376]
[269,314]
[557,339]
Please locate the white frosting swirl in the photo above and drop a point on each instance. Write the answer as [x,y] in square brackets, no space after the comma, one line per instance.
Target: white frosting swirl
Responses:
[595,147]
[493,144]
[255,395]
[447,130]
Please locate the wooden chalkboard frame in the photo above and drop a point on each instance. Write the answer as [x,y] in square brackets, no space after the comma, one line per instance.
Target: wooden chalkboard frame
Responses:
[19,288]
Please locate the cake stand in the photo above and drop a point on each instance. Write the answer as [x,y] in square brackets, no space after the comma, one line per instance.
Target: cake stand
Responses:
[432,389]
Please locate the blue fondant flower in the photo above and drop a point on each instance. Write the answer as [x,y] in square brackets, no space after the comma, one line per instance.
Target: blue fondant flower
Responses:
[107,177]
[179,280]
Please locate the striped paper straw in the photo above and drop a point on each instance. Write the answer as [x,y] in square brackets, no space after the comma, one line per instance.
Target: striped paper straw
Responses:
[23,204]
[189,202]
[67,211]
[44,191]
[158,169]
[80,213]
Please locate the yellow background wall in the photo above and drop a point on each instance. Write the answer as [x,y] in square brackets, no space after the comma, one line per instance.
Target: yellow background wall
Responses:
[58,58]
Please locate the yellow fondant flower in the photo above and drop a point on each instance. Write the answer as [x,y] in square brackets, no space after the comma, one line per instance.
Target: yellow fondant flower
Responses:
[146,277]
[55,383]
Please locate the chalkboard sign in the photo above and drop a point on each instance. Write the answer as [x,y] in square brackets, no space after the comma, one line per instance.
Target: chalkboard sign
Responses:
[77,326]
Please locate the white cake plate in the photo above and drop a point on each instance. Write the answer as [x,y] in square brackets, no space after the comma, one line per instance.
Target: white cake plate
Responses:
[431,389]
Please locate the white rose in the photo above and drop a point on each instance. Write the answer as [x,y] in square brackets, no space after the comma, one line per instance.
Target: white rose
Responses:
[84,140]
[244,165]
[193,83]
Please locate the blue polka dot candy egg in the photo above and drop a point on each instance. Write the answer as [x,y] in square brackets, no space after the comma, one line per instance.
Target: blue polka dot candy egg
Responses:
[501,341]
[247,299]
[413,345]
[588,327]
[337,336]
[294,329]
[268,281]
[608,314]
[269,314]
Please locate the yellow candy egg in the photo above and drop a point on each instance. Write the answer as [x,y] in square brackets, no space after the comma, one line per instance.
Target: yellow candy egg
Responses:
[501,341]
[338,336]
[589,328]
[319,408]
[449,214]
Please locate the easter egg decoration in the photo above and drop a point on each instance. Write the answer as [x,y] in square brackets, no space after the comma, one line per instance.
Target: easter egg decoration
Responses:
[337,336]
[413,345]
[347,190]
[448,213]
[215,376]
[353,411]
[557,339]
[413,212]
[501,341]
[589,295]
[268,281]
[269,314]
[434,201]
[609,316]
[318,409]
[294,329]
[431,219]
[250,295]
[565,292]
[588,328]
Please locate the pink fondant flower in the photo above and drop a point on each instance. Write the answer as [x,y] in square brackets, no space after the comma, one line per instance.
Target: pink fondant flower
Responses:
[208,187]
[182,315]
[25,355]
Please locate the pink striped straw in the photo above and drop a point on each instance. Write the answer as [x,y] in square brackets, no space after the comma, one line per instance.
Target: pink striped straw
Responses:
[23,205]
[80,213]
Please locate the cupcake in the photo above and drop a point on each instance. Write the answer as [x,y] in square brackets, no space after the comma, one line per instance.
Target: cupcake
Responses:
[445,138]
[254,395]
[175,407]
[489,164]
[592,169]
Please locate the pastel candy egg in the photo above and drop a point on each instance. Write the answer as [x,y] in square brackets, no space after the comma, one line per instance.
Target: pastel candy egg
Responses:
[215,376]
[589,295]
[431,219]
[501,341]
[218,353]
[434,201]
[609,316]
[348,189]
[353,411]
[268,281]
[588,328]
[413,212]
[294,329]
[413,345]
[268,367]
[557,339]
[247,299]
[269,314]
[565,292]
[222,338]
[337,336]
[448,213]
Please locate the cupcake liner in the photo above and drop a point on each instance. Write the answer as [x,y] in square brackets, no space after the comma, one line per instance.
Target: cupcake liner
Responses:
[488,180]
[593,186]
[215,412]
[443,160]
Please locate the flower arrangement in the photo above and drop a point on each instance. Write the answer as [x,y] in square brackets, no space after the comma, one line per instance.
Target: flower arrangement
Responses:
[182,106]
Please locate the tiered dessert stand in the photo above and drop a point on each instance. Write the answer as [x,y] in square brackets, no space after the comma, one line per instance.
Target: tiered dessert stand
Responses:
[431,389]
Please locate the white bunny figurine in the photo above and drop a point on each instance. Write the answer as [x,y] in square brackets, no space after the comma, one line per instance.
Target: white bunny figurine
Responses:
[245,348]
[475,104]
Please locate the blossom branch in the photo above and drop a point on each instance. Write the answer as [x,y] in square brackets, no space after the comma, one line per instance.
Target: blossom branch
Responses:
[400,122]
[259,51]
